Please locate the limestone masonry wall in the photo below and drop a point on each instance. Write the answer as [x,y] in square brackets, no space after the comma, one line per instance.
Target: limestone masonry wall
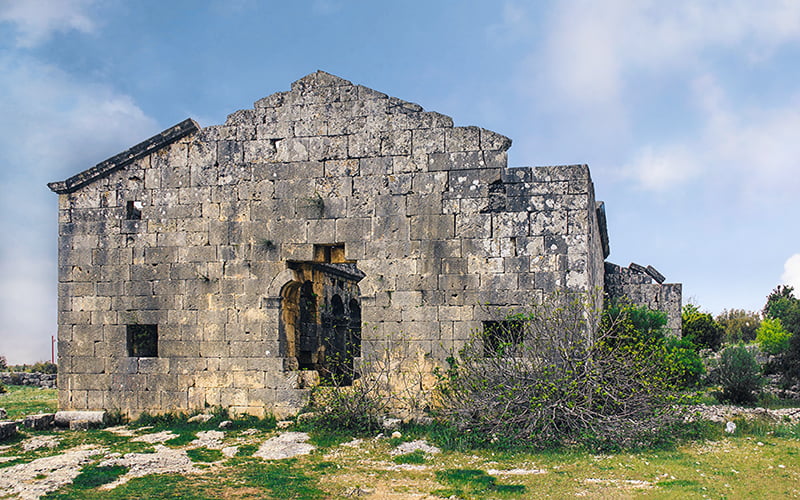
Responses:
[207,266]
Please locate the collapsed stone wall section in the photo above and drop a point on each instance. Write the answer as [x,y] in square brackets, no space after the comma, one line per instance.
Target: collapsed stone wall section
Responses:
[640,287]
[46,380]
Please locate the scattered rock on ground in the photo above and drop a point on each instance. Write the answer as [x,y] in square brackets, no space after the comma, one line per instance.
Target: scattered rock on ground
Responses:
[203,417]
[413,446]
[121,430]
[20,481]
[209,439]
[725,413]
[163,461]
[355,443]
[286,445]
[391,424]
[515,472]
[156,437]
[37,442]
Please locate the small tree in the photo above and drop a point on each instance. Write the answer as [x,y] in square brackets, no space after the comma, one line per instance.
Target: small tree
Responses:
[700,328]
[772,338]
[783,305]
[739,325]
[3,364]
[739,375]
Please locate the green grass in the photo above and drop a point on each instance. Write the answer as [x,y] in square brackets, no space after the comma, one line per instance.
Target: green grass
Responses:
[415,457]
[473,483]
[21,400]
[204,455]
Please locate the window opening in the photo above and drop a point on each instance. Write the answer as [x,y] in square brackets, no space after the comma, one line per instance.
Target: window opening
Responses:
[142,341]
[502,338]
[133,210]
[320,321]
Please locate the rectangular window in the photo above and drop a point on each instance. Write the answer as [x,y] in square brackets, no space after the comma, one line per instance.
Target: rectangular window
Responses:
[142,341]
[502,338]
[133,210]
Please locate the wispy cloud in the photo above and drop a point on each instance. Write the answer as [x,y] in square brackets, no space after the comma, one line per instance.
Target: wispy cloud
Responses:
[597,67]
[37,20]
[54,125]
[750,151]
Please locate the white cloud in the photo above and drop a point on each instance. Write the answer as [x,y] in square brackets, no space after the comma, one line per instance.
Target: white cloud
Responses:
[791,273]
[661,169]
[54,125]
[750,151]
[37,20]
[595,49]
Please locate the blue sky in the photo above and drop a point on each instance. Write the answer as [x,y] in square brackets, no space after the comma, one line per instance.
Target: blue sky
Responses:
[687,112]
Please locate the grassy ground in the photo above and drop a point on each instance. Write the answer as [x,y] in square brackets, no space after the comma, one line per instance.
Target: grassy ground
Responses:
[21,400]
[759,461]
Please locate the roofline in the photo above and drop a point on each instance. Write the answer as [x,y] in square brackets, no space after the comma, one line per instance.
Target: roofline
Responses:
[106,167]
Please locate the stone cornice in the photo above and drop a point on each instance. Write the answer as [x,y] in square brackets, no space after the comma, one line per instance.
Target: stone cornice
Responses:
[116,162]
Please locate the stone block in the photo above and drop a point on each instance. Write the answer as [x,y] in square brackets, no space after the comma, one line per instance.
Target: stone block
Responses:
[86,418]
[7,430]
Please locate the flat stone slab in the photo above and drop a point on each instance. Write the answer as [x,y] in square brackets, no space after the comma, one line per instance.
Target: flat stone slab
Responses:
[286,445]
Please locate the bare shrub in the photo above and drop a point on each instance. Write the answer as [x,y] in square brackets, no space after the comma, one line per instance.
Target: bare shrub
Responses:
[545,377]
[394,378]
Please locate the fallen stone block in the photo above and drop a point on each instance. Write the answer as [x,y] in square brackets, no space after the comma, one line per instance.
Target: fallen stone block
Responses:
[655,274]
[79,425]
[39,422]
[7,430]
[95,418]
[638,268]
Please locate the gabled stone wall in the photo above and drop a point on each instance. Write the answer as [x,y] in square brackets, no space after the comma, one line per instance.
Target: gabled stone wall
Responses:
[200,231]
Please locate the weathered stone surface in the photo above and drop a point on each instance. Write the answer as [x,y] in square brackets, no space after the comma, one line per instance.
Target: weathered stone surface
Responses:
[7,430]
[40,421]
[94,418]
[232,265]
[286,445]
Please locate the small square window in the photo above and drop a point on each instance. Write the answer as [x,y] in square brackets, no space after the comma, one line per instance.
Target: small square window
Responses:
[502,337]
[142,341]
[133,210]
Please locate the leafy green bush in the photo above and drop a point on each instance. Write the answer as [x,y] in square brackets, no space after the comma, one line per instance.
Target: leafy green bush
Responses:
[684,365]
[772,338]
[739,375]
[547,380]
[700,328]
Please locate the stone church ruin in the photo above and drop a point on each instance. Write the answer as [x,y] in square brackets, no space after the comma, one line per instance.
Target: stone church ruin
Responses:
[234,265]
